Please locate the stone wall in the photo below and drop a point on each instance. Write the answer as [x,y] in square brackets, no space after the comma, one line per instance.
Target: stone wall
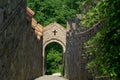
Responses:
[53,32]
[76,37]
[20,51]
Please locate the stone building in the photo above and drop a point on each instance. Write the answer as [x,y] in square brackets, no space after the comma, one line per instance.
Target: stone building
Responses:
[53,32]
[23,41]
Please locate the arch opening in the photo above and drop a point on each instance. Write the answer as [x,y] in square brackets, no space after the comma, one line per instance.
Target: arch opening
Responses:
[54,58]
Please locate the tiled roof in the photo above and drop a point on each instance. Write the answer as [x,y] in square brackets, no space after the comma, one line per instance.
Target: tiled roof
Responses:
[38,28]
[30,12]
[34,23]
[53,24]
[38,31]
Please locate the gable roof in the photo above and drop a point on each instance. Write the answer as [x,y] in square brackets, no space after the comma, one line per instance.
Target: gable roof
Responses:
[52,25]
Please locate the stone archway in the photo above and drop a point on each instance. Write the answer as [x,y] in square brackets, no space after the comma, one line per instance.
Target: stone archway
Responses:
[46,60]
[57,41]
[54,32]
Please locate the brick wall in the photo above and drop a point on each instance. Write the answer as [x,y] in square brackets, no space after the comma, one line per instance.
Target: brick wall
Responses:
[20,50]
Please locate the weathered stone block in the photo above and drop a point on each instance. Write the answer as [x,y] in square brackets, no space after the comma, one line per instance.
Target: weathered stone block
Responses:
[1,16]
[0,66]
[3,2]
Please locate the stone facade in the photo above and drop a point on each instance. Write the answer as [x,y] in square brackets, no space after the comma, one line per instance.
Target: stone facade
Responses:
[23,41]
[76,37]
[54,32]
[20,42]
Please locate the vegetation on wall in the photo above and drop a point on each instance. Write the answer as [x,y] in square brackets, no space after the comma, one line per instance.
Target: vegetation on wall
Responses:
[105,45]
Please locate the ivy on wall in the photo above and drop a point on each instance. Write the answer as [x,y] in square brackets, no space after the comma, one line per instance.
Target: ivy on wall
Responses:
[105,45]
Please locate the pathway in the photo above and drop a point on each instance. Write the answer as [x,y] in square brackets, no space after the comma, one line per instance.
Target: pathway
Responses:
[51,77]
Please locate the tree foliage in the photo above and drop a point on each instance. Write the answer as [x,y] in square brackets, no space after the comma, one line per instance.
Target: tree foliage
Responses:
[54,58]
[105,45]
[47,11]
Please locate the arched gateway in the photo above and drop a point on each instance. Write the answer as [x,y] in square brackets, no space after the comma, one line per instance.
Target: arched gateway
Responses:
[54,32]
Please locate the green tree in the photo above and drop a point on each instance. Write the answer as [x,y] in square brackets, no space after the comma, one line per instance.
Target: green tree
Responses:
[105,45]
[54,57]
[47,11]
